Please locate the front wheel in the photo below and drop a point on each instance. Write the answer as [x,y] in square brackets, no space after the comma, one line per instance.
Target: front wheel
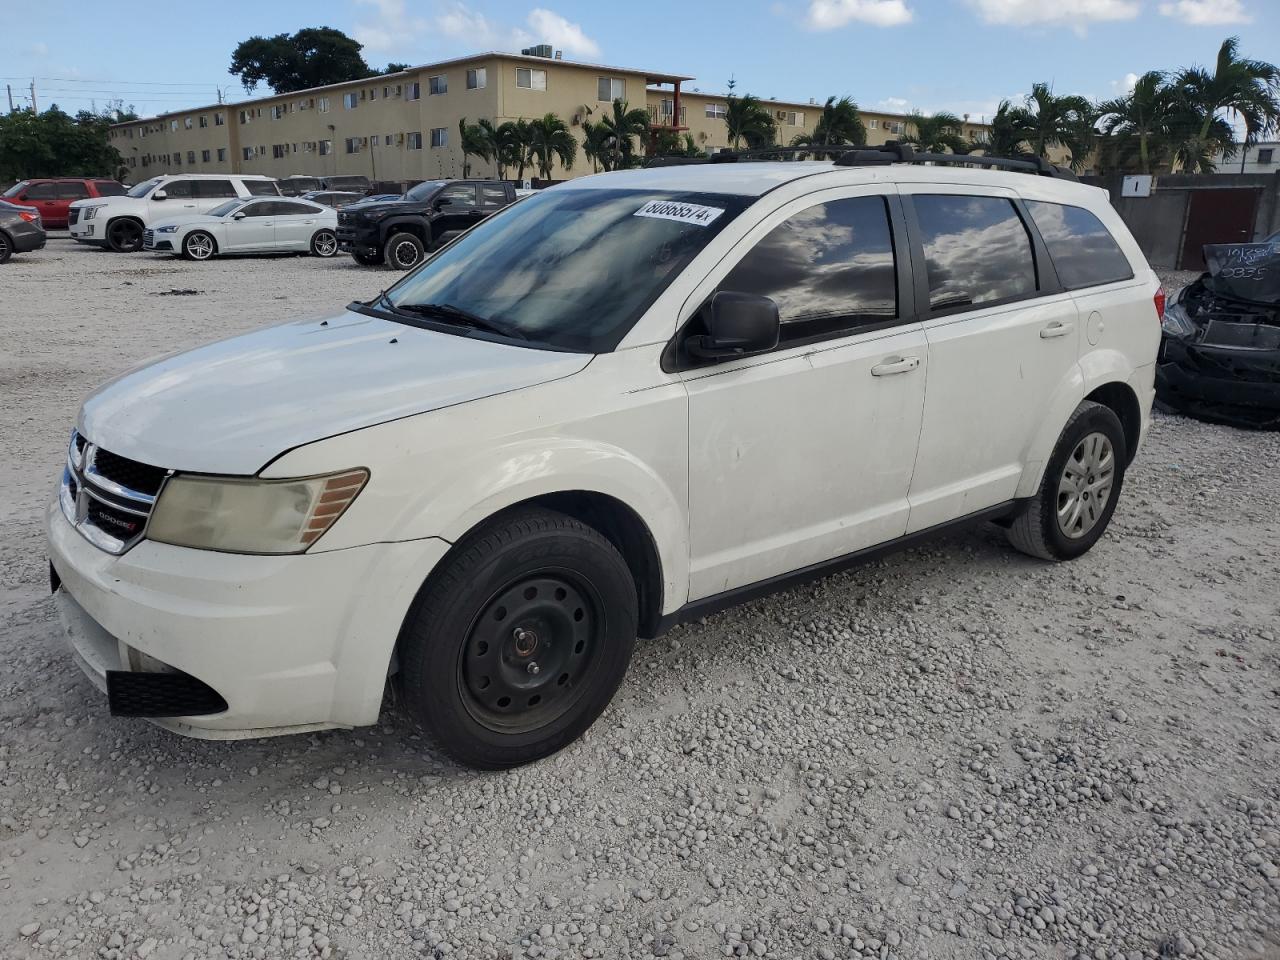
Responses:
[1081,484]
[124,236]
[324,243]
[519,641]
[368,259]
[403,251]
[198,245]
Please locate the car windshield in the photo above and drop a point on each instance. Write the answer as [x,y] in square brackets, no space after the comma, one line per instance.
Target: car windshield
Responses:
[572,269]
[16,189]
[142,189]
[425,189]
[224,209]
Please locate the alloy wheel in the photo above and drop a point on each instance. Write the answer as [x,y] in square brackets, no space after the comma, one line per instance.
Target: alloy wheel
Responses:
[199,246]
[405,254]
[325,244]
[1085,485]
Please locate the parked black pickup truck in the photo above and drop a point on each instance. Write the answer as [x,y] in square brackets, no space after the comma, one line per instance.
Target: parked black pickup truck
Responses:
[399,232]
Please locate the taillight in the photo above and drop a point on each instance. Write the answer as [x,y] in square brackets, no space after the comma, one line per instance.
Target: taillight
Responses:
[29,217]
[1159,301]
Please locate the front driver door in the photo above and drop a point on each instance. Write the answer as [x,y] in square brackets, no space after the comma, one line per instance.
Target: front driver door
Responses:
[805,453]
[256,230]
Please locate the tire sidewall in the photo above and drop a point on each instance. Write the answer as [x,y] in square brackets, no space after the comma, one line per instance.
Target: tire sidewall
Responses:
[121,249]
[442,625]
[1098,419]
[394,243]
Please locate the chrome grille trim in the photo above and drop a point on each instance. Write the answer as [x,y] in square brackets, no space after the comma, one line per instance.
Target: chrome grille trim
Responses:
[84,486]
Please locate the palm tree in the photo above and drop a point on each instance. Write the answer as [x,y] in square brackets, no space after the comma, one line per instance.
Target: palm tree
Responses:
[597,145]
[514,138]
[621,126]
[1141,118]
[839,124]
[668,143]
[1245,89]
[748,119]
[1010,129]
[1065,121]
[549,141]
[936,133]
[475,142]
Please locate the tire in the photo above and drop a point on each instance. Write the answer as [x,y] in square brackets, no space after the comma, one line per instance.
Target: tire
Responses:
[1063,520]
[198,245]
[124,235]
[324,243]
[368,259]
[519,640]
[6,247]
[403,251]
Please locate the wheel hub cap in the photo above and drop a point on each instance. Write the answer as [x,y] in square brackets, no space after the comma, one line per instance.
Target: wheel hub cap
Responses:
[1085,485]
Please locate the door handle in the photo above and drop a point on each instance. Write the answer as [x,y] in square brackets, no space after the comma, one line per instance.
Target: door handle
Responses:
[1057,328]
[895,365]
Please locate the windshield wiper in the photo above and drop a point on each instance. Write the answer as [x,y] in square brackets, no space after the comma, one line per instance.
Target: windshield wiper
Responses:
[457,316]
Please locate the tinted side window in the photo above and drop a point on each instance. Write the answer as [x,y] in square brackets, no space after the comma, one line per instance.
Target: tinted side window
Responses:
[177,189]
[976,250]
[261,188]
[72,190]
[263,209]
[829,268]
[286,208]
[41,191]
[493,196]
[214,188]
[462,195]
[1082,249]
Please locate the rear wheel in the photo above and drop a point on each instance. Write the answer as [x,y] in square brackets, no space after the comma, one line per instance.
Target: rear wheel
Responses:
[324,243]
[124,236]
[368,259]
[1081,484]
[198,245]
[403,251]
[519,641]
[6,247]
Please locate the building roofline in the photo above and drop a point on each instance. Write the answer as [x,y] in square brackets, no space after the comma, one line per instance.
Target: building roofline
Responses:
[650,76]
[812,105]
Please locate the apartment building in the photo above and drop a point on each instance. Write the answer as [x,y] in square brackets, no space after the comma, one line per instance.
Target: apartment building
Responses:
[405,125]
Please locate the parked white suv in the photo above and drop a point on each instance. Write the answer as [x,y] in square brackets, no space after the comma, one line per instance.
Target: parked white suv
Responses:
[622,403]
[119,222]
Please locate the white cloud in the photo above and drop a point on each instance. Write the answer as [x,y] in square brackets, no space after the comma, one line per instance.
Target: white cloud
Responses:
[1206,13]
[1125,84]
[833,14]
[395,29]
[894,105]
[1076,14]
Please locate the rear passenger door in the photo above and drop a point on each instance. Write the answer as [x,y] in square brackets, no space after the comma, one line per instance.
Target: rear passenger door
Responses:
[1003,343]
[804,453]
[493,197]
[179,199]
[296,221]
[211,193]
[69,191]
[456,210]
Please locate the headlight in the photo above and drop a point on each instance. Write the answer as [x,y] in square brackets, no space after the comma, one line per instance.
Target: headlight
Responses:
[1175,321]
[252,516]
[91,212]
[170,228]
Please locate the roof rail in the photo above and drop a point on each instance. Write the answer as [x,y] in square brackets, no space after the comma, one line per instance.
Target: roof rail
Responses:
[894,151]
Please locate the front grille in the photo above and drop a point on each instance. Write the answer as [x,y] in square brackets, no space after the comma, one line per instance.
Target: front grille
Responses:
[73,216]
[148,237]
[107,497]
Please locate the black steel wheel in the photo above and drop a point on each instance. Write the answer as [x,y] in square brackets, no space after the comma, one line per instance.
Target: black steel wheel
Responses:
[124,236]
[519,639]
[403,251]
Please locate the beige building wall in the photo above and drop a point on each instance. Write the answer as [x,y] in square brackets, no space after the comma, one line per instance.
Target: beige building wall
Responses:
[382,127]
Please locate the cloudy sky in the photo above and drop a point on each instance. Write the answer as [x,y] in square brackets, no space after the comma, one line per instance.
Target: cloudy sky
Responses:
[962,55]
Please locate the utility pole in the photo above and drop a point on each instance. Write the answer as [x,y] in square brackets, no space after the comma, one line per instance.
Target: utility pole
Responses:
[34,107]
[9,89]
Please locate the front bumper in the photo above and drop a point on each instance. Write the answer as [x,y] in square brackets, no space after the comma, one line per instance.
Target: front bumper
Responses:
[291,643]
[1220,384]
[358,236]
[85,230]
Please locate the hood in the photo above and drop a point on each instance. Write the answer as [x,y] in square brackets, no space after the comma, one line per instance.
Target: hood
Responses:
[1245,271]
[231,407]
[377,207]
[202,218]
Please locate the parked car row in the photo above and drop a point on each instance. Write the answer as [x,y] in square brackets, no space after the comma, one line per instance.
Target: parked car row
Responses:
[53,197]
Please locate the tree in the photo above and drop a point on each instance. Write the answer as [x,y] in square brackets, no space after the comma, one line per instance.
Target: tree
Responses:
[839,124]
[1044,120]
[549,141]
[623,127]
[1010,129]
[476,141]
[396,68]
[935,133]
[669,143]
[1248,90]
[1139,124]
[54,144]
[746,118]
[596,144]
[514,140]
[312,57]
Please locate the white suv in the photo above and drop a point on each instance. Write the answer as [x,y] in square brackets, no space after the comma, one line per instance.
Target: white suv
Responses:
[119,222]
[622,403]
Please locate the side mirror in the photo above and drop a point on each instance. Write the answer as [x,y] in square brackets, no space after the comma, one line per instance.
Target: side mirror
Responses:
[159,195]
[239,215]
[739,324]
[443,202]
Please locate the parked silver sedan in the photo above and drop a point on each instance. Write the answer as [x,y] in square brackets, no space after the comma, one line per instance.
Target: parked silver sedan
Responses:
[257,225]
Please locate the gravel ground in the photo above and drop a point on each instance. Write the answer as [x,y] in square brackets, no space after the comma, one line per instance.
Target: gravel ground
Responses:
[954,753]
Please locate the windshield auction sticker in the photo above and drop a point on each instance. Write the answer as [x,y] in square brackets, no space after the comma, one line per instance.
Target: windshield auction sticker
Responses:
[680,212]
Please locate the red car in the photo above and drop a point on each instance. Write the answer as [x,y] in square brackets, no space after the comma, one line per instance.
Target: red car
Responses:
[53,196]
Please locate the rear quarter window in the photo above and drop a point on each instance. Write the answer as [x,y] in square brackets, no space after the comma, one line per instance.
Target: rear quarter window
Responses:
[1083,250]
[261,188]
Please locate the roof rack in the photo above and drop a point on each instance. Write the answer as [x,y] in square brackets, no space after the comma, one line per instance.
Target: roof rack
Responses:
[891,152]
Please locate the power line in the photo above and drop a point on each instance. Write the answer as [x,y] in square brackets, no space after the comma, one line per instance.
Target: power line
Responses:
[132,83]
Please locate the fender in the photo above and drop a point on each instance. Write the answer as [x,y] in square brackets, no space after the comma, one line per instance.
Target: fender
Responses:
[421,227]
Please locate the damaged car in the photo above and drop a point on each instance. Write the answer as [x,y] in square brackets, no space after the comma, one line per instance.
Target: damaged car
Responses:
[1220,350]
